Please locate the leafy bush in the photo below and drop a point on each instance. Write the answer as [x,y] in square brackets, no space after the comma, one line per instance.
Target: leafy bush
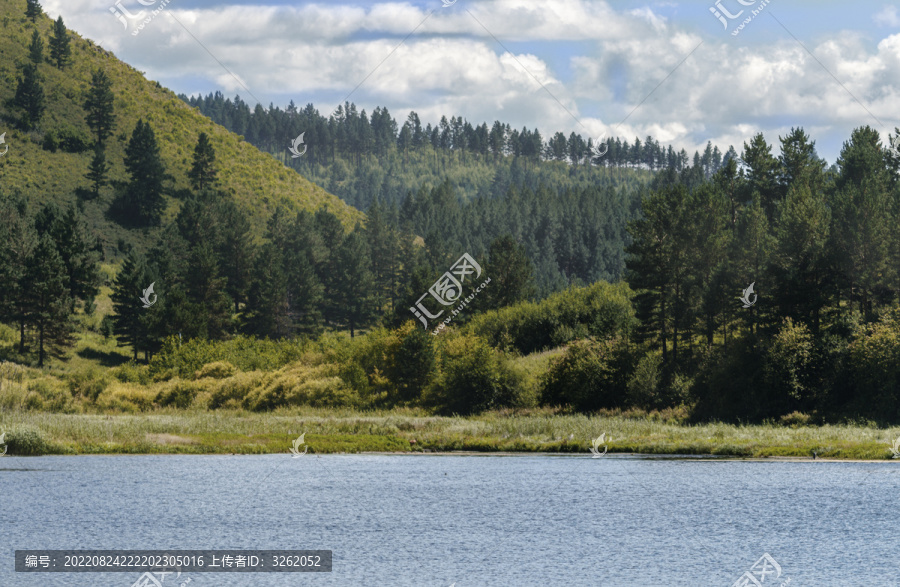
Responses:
[126,397]
[88,384]
[643,389]
[874,369]
[589,376]
[216,370]
[789,361]
[795,419]
[473,377]
[244,353]
[49,394]
[131,372]
[179,395]
[230,392]
[26,441]
[601,310]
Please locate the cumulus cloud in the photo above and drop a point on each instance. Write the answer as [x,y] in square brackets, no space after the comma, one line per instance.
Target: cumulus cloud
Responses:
[559,65]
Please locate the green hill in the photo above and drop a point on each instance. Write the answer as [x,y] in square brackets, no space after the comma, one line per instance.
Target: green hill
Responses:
[258,182]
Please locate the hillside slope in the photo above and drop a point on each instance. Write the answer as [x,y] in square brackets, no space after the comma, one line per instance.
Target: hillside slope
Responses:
[258,182]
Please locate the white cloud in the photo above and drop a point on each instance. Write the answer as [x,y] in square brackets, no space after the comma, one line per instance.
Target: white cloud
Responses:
[887,17]
[598,62]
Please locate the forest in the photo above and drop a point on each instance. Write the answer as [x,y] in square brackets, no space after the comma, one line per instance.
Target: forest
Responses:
[616,278]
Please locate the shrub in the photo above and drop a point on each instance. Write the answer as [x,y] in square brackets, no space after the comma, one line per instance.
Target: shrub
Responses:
[795,419]
[180,395]
[589,376]
[789,359]
[88,384]
[643,389]
[216,370]
[126,397]
[26,441]
[473,377]
[48,394]
[131,372]
[601,310]
[230,392]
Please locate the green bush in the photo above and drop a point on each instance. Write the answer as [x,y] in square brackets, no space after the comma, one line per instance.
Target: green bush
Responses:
[601,310]
[26,441]
[88,384]
[472,377]
[131,372]
[590,375]
[243,352]
[643,389]
[216,370]
[180,395]
[230,392]
[873,369]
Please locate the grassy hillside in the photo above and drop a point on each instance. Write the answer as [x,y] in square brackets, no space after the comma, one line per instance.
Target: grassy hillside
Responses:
[257,181]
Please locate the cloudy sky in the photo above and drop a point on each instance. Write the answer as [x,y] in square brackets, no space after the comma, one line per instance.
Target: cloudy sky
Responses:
[669,69]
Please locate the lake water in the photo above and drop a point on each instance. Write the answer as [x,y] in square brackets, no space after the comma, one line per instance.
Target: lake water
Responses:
[435,520]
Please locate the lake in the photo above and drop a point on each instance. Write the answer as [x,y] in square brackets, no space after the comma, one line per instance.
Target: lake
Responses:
[435,520]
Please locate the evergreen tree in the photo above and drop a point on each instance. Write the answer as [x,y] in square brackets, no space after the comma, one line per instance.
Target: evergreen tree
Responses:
[79,259]
[142,200]
[36,49]
[60,51]
[267,312]
[33,10]
[203,171]
[205,289]
[30,97]
[49,306]
[355,283]
[97,171]
[511,274]
[17,242]
[99,106]
[130,320]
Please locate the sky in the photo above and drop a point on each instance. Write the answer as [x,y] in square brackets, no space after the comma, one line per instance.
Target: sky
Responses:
[673,70]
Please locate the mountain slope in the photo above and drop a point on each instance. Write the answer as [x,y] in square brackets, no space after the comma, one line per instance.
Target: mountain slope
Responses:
[258,182]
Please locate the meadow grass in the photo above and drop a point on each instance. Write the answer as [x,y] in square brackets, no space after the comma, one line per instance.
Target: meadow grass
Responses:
[331,430]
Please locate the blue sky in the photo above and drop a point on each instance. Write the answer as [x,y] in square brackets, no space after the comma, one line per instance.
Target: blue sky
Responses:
[668,69]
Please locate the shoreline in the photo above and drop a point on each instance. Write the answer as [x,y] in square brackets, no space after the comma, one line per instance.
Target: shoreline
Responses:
[405,432]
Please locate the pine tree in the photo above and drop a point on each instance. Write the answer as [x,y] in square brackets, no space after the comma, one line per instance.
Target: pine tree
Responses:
[511,274]
[355,283]
[205,289]
[203,171]
[48,302]
[99,106]
[60,51]
[36,49]
[267,312]
[130,321]
[142,199]
[33,10]
[17,242]
[97,171]
[30,97]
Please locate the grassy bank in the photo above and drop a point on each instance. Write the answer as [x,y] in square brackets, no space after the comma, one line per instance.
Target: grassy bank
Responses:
[348,431]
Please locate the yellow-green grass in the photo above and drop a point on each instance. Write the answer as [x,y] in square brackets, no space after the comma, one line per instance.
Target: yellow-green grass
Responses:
[343,430]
